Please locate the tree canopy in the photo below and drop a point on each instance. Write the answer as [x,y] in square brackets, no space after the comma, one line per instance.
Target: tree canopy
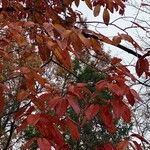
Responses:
[45,45]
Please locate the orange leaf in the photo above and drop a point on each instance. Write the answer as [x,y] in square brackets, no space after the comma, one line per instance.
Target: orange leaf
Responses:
[106,16]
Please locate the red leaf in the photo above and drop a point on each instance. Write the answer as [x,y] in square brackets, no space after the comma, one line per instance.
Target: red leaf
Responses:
[107,118]
[108,147]
[79,90]
[91,111]
[142,66]
[117,107]
[22,126]
[130,98]
[22,95]
[122,145]
[101,85]
[54,101]
[43,144]
[126,114]
[61,108]
[73,129]
[33,119]
[115,89]
[2,103]
[73,103]
[121,110]
[59,104]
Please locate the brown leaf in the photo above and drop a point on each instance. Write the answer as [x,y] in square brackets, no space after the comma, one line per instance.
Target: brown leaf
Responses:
[77,2]
[106,16]
[96,10]
[88,3]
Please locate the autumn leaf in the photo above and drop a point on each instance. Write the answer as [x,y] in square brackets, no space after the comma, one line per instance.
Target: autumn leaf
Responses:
[123,145]
[89,4]
[96,10]
[2,103]
[43,144]
[116,40]
[102,84]
[106,16]
[142,65]
[22,95]
[73,129]
[130,39]
[115,60]
[33,119]
[77,2]
[91,111]
[108,147]
[73,103]
[107,118]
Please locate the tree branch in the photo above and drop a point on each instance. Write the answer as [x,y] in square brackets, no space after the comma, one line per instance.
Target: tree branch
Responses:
[128,50]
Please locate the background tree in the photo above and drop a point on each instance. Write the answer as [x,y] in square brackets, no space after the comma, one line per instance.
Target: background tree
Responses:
[37,37]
